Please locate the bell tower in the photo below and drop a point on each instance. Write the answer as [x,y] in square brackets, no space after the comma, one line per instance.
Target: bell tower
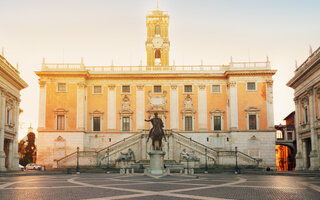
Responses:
[157,44]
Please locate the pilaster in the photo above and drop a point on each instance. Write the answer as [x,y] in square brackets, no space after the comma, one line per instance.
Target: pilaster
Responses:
[81,106]
[140,107]
[314,157]
[112,107]
[299,158]
[202,108]
[270,114]
[42,105]
[2,121]
[233,100]
[174,108]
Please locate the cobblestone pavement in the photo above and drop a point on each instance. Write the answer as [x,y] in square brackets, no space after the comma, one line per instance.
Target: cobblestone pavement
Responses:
[114,186]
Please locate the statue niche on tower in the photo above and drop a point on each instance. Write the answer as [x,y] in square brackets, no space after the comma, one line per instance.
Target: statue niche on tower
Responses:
[156,133]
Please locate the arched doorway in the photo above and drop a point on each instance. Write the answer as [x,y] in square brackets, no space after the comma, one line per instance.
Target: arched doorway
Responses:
[285,158]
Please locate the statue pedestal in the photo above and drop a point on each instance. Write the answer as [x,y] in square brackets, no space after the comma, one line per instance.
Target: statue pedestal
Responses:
[156,163]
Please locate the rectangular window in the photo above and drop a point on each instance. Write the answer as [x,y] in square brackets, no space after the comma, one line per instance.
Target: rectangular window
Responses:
[252,122]
[157,89]
[97,90]
[60,122]
[96,123]
[9,116]
[62,87]
[125,123]
[217,123]
[279,135]
[188,123]
[216,89]
[126,89]
[251,86]
[188,88]
[289,135]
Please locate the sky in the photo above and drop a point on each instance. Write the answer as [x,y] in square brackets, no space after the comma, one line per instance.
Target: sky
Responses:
[210,30]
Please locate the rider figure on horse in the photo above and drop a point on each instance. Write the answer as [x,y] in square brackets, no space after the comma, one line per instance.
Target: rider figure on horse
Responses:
[156,132]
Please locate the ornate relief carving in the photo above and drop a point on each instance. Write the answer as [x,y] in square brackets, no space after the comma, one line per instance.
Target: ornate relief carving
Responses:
[82,84]
[42,83]
[269,83]
[140,87]
[202,87]
[174,87]
[310,91]
[125,105]
[157,103]
[112,87]
[188,101]
[305,100]
[231,84]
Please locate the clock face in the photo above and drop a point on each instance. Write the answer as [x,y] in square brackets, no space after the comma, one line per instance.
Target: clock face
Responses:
[157,42]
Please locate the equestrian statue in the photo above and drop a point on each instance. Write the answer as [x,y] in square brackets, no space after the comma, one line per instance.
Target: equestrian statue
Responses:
[156,133]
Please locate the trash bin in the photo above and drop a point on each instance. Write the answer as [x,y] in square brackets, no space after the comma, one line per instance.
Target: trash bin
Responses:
[68,170]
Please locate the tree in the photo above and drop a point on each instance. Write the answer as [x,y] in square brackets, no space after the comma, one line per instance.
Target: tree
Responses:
[28,151]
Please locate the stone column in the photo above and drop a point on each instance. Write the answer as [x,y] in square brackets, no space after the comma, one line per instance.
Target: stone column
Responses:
[140,107]
[10,155]
[304,154]
[299,159]
[174,108]
[81,106]
[143,146]
[270,115]
[2,123]
[15,160]
[314,157]
[233,100]
[112,107]
[170,153]
[42,105]
[202,108]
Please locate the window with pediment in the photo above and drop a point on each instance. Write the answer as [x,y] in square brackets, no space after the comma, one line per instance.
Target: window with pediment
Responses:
[96,120]
[305,110]
[217,118]
[126,114]
[60,115]
[252,118]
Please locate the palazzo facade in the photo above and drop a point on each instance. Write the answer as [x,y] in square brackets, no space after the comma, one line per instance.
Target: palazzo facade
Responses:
[93,107]
[306,85]
[10,86]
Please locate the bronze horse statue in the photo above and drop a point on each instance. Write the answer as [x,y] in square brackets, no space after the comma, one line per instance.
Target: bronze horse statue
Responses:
[156,133]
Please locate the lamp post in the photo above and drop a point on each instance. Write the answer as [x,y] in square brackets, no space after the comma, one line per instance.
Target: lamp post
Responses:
[108,161]
[237,170]
[78,170]
[206,154]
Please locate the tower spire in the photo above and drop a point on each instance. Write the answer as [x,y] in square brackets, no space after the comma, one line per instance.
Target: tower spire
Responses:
[157,4]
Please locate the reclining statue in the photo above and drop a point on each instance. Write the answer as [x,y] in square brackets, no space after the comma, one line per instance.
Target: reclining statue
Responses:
[129,156]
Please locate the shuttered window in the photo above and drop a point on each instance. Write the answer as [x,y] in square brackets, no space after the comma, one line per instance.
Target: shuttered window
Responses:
[188,123]
[60,122]
[96,123]
[125,123]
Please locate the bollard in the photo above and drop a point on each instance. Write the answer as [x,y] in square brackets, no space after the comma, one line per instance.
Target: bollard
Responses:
[185,171]
[127,171]
[132,171]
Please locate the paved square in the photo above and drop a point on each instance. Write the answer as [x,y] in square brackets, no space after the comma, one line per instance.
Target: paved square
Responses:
[138,186]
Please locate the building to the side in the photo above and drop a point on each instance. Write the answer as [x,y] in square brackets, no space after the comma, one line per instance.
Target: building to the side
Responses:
[286,144]
[95,107]
[306,85]
[10,86]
